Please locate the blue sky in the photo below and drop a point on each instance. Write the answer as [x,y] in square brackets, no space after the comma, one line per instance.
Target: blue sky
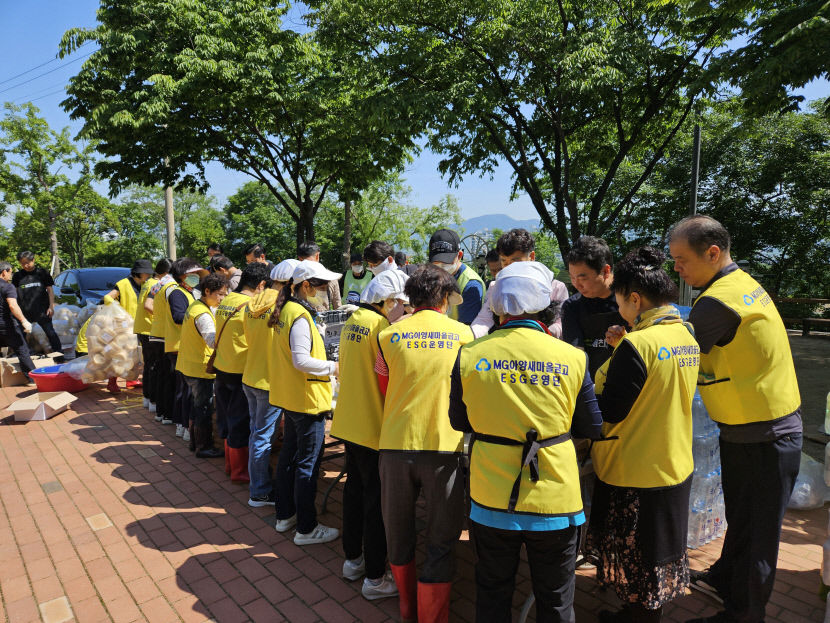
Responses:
[29,35]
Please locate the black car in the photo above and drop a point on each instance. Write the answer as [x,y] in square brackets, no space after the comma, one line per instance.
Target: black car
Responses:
[80,286]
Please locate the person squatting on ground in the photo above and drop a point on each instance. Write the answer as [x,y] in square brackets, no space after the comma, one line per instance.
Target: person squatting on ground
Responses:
[419,450]
[357,421]
[231,351]
[264,417]
[748,384]
[522,393]
[640,510]
[13,323]
[198,339]
[300,384]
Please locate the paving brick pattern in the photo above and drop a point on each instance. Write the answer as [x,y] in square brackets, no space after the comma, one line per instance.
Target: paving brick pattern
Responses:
[105,516]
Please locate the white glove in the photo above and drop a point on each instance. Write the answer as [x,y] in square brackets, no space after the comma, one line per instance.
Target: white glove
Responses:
[27,326]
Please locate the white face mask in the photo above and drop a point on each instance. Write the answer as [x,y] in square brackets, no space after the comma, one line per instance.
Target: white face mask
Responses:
[376,270]
[357,270]
[450,268]
[320,298]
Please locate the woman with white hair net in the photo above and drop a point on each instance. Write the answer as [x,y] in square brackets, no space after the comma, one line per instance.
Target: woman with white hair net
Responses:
[523,394]
[357,420]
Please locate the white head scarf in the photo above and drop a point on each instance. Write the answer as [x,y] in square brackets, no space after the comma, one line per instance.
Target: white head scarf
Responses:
[387,285]
[521,288]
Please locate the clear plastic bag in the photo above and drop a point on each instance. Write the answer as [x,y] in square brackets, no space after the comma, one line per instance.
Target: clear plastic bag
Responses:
[76,368]
[113,347]
[809,491]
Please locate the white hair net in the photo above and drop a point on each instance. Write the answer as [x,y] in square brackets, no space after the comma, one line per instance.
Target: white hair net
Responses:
[521,288]
[387,285]
[284,270]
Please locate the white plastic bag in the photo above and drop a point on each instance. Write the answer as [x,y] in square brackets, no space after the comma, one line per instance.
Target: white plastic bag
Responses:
[112,345]
[809,491]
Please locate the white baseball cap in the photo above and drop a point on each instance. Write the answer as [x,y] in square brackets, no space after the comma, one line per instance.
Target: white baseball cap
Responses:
[308,269]
[284,270]
[388,284]
[521,288]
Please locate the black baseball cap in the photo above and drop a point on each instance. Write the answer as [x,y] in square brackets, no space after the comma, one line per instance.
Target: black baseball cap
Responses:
[444,246]
[142,267]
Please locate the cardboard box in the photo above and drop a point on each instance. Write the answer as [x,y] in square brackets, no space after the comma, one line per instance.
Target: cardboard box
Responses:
[11,374]
[42,406]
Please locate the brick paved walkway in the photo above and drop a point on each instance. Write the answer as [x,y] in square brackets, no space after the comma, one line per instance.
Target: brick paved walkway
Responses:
[107,517]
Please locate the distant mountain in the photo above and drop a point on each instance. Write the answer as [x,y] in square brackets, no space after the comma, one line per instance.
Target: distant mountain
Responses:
[497,221]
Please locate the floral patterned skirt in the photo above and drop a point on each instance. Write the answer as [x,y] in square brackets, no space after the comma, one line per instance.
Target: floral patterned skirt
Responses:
[616,537]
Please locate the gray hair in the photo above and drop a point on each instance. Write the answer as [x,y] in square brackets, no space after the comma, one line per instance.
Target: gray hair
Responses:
[4,266]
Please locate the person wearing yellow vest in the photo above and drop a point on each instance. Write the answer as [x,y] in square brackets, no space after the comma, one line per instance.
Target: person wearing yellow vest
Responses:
[152,348]
[186,274]
[198,341]
[300,383]
[264,416]
[81,347]
[232,411]
[419,450]
[357,420]
[445,252]
[748,384]
[640,509]
[355,281]
[164,375]
[522,393]
[126,292]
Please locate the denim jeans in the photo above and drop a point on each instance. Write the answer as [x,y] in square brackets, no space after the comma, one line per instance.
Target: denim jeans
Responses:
[264,419]
[201,396]
[297,468]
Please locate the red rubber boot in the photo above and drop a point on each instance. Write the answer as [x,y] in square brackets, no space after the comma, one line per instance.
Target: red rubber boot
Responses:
[407,591]
[434,602]
[239,464]
[112,385]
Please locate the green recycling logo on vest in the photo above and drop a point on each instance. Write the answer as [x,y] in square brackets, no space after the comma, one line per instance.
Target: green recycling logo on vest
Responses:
[483,365]
[663,354]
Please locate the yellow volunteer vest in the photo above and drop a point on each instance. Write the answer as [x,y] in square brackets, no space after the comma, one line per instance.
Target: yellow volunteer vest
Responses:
[160,311]
[290,388]
[232,349]
[143,319]
[751,379]
[260,338]
[514,380]
[359,411]
[193,352]
[654,448]
[467,275]
[126,296]
[173,331]
[80,341]
[420,352]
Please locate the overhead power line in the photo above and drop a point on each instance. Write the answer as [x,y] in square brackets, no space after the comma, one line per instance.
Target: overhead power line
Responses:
[20,84]
[28,71]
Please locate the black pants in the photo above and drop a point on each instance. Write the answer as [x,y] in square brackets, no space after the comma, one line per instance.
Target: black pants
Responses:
[45,323]
[201,399]
[14,338]
[154,365]
[233,419]
[552,559]
[178,400]
[144,341]
[363,531]
[758,479]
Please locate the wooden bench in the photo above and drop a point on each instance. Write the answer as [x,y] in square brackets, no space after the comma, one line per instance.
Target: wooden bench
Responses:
[808,323]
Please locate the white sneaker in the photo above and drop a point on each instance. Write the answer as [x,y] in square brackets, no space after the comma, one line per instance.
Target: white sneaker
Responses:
[167,420]
[354,569]
[151,407]
[159,418]
[320,534]
[284,525]
[384,588]
[186,434]
[146,403]
[179,430]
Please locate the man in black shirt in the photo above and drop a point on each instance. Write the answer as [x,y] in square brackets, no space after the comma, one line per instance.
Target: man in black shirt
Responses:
[35,295]
[587,315]
[13,323]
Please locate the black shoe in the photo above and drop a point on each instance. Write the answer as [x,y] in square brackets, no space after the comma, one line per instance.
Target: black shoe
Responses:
[720,617]
[210,453]
[702,581]
[258,501]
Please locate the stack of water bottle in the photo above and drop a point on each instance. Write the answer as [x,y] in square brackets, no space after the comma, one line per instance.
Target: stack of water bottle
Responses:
[707,519]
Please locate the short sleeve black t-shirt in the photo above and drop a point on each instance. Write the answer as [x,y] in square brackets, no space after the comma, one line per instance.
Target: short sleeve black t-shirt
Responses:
[7,291]
[584,323]
[31,292]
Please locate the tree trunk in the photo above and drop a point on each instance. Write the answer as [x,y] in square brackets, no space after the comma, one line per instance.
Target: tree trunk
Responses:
[347,233]
[53,242]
